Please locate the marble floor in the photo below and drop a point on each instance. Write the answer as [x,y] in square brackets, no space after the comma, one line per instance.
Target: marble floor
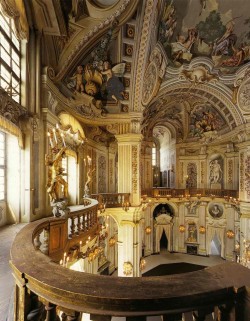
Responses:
[7,235]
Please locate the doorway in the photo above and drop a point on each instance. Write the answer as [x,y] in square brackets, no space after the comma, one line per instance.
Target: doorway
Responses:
[215,246]
[163,242]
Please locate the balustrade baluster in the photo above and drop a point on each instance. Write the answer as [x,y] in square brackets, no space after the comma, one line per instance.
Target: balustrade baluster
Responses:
[72,227]
[37,242]
[78,224]
[226,312]
[45,246]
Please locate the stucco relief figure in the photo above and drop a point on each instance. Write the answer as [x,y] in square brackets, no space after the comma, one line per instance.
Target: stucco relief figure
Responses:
[77,80]
[215,211]
[192,233]
[215,172]
[57,187]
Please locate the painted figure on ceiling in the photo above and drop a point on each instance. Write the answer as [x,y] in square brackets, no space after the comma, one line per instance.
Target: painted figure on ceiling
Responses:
[114,86]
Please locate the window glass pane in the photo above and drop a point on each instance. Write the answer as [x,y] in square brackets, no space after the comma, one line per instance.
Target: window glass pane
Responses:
[5,44]
[15,57]
[9,58]
[16,70]
[3,83]
[5,74]
[5,56]
[4,25]
[16,98]
[1,196]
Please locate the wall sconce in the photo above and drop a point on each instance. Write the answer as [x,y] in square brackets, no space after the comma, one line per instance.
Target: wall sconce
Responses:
[127,268]
[148,230]
[180,197]
[125,206]
[157,196]
[182,228]
[198,196]
[168,197]
[112,241]
[202,229]
[142,264]
[187,196]
[230,234]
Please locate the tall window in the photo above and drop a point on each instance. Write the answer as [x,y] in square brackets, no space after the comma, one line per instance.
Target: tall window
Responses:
[154,155]
[10,73]
[2,166]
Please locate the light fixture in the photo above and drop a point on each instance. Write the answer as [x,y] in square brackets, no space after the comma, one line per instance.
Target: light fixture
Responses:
[182,228]
[168,197]
[112,241]
[202,229]
[230,234]
[198,196]
[142,264]
[125,206]
[148,229]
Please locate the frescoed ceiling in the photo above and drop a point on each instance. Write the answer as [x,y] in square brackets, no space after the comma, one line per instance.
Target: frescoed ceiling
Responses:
[171,63]
[216,29]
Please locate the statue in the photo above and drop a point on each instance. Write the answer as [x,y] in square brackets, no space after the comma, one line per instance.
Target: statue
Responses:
[215,172]
[56,186]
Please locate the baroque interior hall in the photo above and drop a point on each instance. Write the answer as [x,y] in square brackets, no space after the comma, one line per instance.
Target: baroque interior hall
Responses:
[124,132]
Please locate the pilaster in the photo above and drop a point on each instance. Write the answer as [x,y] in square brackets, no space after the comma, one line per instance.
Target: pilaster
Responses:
[129,146]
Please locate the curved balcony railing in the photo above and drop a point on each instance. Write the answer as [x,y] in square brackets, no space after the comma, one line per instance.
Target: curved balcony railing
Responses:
[44,287]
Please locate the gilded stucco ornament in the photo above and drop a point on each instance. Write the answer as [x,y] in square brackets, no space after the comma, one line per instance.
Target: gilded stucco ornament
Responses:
[197,75]
[241,94]
[153,76]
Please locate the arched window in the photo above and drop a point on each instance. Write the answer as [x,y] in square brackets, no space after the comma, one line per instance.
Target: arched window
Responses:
[154,155]
[10,57]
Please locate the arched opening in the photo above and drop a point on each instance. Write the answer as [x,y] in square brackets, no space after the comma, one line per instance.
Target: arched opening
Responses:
[163,242]
[215,246]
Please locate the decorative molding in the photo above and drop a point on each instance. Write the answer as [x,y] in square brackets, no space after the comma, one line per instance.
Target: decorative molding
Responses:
[143,46]
[90,35]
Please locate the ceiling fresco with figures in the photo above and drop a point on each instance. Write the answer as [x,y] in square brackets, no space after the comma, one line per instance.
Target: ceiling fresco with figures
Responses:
[216,29]
[182,64]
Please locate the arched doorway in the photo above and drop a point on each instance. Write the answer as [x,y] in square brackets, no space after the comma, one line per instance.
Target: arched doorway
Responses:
[215,246]
[163,228]
[163,242]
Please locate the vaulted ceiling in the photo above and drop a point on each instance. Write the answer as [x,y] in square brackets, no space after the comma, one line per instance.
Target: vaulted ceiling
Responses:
[175,62]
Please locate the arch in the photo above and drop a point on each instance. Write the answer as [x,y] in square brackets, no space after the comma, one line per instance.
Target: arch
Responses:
[220,232]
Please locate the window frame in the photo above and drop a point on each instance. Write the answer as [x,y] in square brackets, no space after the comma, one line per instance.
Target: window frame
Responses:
[13,68]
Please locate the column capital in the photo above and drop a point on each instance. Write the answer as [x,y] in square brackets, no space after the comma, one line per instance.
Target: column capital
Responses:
[129,138]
